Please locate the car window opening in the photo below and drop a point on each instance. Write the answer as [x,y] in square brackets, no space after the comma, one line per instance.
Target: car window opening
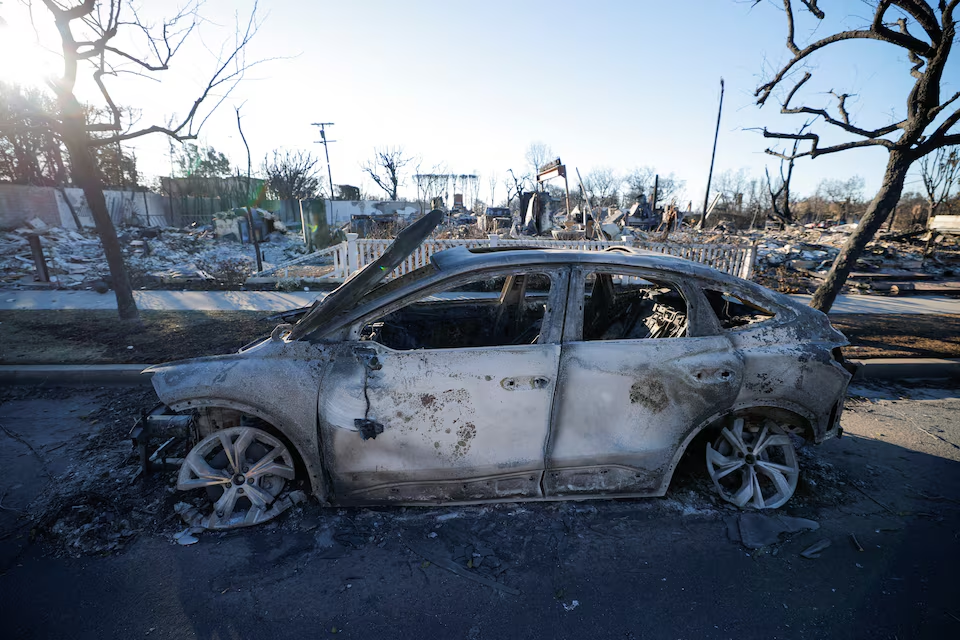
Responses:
[497,311]
[621,307]
[733,311]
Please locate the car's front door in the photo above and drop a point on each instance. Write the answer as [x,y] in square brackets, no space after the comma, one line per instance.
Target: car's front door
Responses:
[448,397]
[635,378]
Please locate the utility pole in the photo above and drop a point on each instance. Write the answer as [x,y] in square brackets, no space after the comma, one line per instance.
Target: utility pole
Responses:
[713,155]
[323,140]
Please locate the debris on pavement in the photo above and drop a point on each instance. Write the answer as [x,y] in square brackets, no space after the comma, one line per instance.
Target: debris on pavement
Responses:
[814,550]
[464,572]
[186,537]
[757,530]
[856,542]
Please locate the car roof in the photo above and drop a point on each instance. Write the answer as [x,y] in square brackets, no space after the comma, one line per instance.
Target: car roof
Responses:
[466,259]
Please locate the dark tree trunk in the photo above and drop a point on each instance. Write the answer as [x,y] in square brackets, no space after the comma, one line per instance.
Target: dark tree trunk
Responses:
[85,176]
[786,190]
[879,208]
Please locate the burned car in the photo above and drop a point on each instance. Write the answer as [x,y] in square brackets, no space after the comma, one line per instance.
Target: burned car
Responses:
[513,374]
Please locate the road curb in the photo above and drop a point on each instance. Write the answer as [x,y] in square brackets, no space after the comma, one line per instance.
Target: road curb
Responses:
[907,368]
[75,374]
[887,369]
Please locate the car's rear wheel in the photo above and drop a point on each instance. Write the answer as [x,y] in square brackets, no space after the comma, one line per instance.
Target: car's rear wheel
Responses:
[754,464]
[242,470]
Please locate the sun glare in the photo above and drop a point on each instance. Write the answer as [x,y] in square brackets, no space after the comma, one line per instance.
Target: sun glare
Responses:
[22,61]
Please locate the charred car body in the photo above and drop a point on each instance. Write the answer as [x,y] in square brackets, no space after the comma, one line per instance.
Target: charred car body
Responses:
[520,374]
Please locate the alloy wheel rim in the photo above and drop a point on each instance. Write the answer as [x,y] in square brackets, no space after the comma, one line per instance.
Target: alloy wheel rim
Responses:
[754,466]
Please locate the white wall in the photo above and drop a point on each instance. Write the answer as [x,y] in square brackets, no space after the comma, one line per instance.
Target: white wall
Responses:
[150,208]
[20,203]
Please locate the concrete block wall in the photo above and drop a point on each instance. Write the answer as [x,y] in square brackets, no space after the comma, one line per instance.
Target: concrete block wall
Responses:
[19,203]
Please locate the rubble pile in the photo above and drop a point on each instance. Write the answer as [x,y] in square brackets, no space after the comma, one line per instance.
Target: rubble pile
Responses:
[154,256]
[796,259]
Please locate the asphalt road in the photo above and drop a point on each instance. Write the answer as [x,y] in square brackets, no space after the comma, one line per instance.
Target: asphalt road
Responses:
[659,568]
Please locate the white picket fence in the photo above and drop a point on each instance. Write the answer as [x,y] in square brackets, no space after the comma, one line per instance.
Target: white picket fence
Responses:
[354,254]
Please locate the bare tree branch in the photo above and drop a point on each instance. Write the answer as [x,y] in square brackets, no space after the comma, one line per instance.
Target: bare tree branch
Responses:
[844,123]
[939,136]
[876,32]
[816,150]
[385,170]
[231,68]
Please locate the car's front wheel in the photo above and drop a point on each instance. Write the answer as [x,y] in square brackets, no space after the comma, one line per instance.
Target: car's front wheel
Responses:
[242,470]
[753,463]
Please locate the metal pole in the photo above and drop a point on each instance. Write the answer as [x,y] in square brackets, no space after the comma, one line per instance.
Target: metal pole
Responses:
[713,155]
[323,140]
[656,186]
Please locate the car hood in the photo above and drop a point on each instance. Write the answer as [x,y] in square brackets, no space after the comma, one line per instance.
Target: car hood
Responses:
[357,286]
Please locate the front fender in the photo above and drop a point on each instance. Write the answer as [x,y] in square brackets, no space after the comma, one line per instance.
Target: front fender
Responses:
[275,381]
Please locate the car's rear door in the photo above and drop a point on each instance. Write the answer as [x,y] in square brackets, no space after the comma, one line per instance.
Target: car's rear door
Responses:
[430,407]
[626,404]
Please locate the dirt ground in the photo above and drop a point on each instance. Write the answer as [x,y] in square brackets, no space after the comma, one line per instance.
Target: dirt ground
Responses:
[900,336]
[97,337]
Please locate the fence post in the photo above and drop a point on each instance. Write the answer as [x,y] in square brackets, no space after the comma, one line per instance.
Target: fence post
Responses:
[37,250]
[751,257]
[494,239]
[353,258]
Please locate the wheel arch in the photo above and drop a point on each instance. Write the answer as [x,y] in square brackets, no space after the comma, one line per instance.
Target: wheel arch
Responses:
[795,416]
[314,472]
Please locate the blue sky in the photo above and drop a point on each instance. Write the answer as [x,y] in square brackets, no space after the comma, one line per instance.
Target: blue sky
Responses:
[471,85]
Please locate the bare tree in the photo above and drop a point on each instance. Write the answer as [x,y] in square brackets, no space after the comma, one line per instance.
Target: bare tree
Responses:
[386,168]
[603,186]
[841,196]
[641,180]
[733,185]
[107,38]
[292,175]
[431,185]
[940,172]
[920,132]
[515,187]
[638,181]
[670,188]
[538,154]
[492,180]
[780,197]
